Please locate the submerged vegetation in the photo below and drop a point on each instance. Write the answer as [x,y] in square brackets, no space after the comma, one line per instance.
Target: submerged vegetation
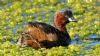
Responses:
[14,15]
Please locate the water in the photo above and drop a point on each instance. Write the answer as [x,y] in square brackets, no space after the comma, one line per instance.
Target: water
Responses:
[94,40]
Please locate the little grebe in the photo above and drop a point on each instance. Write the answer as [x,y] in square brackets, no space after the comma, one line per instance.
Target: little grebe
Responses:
[41,35]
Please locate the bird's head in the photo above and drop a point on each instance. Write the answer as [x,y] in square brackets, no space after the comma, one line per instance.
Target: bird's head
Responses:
[63,17]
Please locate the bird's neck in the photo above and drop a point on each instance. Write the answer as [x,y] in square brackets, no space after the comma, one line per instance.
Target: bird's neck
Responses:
[59,22]
[61,28]
[60,25]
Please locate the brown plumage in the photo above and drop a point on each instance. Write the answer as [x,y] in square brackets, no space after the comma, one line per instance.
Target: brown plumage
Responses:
[42,35]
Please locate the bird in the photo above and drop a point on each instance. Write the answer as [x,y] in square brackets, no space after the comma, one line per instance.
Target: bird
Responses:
[42,35]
